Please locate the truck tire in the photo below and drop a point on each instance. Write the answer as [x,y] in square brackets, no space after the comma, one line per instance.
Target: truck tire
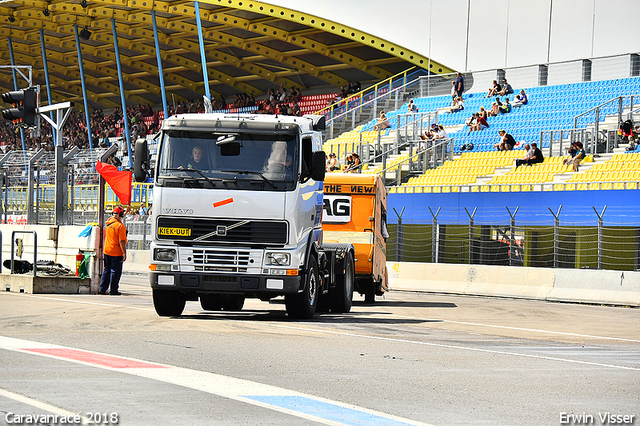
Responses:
[342,294]
[211,302]
[303,305]
[370,294]
[168,303]
[232,303]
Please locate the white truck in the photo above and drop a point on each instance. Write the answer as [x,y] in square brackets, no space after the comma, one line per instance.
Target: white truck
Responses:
[237,209]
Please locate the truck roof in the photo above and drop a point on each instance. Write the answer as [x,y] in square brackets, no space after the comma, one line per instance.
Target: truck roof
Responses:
[257,121]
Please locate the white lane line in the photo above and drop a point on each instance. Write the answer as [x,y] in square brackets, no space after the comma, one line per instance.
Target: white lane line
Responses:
[321,410]
[41,405]
[441,345]
[506,327]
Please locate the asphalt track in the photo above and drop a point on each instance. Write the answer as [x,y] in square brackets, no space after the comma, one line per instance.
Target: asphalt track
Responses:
[410,359]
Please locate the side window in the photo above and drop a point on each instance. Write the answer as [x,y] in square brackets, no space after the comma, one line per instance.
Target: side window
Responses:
[307,155]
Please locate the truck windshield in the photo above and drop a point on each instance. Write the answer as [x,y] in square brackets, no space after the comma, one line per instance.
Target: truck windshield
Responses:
[222,158]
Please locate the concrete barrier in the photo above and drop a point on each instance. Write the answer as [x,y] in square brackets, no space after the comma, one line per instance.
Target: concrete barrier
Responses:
[26,283]
[596,286]
[569,285]
[483,280]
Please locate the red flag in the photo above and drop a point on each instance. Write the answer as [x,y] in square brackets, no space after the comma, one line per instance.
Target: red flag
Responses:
[119,181]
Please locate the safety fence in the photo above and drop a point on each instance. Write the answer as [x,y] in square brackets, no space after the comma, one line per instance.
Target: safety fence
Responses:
[496,236]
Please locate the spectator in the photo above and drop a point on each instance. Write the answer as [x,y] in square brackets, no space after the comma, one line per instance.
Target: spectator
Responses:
[442,134]
[459,85]
[483,113]
[494,90]
[506,107]
[332,163]
[355,164]
[348,163]
[429,134]
[571,151]
[506,88]
[457,105]
[527,155]
[382,123]
[480,124]
[506,143]
[494,111]
[472,120]
[578,157]
[296,109]
[522,99]
[412,107]
[534,158]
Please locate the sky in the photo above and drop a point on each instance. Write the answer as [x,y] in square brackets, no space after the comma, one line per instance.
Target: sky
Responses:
[501,33]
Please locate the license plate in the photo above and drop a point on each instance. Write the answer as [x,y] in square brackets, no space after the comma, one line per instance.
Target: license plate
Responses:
[182,232]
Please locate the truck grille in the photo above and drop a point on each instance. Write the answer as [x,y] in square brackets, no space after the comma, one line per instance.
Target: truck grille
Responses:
[221,261]
[222,231]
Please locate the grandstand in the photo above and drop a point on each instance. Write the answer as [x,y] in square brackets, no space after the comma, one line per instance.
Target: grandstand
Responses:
[584,107]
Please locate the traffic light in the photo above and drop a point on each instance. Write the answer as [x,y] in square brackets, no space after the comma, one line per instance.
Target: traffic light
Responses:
[25,102]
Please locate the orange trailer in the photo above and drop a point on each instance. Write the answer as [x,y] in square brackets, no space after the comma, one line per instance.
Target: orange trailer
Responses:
[355,212]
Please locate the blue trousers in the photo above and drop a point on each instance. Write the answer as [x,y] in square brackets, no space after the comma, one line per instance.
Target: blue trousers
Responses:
[111,273]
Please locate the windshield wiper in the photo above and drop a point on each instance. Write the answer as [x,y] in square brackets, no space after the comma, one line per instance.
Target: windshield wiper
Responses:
[246,172]
[195,171]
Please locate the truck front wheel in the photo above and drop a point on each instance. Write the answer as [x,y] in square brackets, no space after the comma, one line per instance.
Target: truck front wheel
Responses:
[168,303]
[342,294]
[303,305]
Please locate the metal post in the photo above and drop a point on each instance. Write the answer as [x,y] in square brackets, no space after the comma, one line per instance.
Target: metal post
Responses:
[203,56]
[30,173]
[37,218]
[84,87]
[471,243]
[512,227]
[159,61]
[72,196]
[399,246]
[596,129]
[101,198]
[556,236]
[127,135]
[550,144]
[6,195]
[600,235]
[46,75]
[15,83]
[434,236]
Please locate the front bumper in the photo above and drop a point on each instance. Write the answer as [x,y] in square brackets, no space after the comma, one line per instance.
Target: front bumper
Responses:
[248,284]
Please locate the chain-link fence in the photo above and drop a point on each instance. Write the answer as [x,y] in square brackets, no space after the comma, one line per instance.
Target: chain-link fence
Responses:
[577,242]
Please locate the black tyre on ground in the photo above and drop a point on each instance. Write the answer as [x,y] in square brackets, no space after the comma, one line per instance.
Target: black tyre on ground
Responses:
[211,302]
[370,293]
[341,295]
[232,303]
[303,305]
[168,303]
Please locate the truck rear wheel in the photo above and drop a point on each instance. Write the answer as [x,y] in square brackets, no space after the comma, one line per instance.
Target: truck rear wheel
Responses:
[342,294]
[168,303]
[211,302]
[303,305]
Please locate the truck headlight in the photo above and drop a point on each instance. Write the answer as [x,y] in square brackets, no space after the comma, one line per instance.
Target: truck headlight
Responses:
[279,259]
[164,254]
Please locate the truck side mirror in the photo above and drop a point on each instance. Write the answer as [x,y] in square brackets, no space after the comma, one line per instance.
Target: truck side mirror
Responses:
[319,168]
[141,161]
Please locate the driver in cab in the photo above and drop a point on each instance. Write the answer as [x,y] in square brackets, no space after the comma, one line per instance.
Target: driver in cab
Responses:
[197,161]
